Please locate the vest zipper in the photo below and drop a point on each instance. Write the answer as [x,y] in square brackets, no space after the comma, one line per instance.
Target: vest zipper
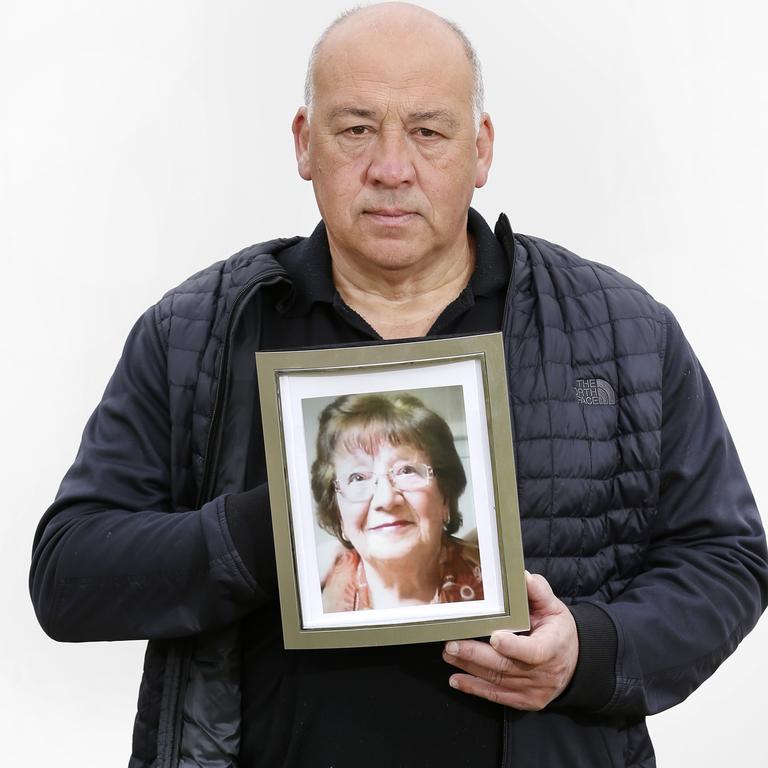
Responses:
[503,231]
[221,390]
[177,662]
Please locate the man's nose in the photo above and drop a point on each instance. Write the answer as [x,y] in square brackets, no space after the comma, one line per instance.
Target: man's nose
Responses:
[391,162]
[384,493]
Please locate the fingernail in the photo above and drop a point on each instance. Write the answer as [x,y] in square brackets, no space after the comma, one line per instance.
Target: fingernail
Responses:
[453,682]
[451,648]
[494,641]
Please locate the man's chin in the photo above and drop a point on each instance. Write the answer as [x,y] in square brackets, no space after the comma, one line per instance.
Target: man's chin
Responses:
[388,257]
[385,247]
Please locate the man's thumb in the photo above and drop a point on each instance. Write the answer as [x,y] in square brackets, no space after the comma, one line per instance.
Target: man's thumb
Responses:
[540,594]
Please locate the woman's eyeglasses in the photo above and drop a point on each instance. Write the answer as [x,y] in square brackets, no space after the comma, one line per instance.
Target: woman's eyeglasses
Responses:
[404,476]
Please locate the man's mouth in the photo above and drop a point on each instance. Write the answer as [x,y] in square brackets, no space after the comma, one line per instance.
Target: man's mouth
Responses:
[391,217]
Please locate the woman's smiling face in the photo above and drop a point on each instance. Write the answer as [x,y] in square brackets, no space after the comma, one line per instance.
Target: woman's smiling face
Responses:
[392,525]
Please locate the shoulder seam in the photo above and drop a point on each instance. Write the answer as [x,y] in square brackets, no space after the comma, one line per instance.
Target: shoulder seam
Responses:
[157,324]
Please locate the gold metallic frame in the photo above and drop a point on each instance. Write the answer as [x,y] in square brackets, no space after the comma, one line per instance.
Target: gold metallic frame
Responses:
[282,374]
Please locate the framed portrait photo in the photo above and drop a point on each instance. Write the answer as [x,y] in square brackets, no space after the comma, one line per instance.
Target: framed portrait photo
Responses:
[392,486]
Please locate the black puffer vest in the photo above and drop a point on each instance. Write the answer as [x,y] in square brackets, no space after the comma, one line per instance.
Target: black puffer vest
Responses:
[588,465]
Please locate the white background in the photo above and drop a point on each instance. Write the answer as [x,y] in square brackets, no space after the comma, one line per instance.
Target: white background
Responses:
[140,141]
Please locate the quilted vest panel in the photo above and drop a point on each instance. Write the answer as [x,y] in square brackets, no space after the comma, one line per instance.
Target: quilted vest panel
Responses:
[194,319]
[588,472]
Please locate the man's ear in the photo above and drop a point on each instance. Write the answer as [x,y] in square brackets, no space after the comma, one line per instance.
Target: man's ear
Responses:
[300,128]
[484,145]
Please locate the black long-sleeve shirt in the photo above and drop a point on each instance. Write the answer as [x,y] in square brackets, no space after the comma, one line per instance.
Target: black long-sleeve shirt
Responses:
[319,707]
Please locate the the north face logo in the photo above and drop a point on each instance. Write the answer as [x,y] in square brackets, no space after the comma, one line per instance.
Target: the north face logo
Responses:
[594,392]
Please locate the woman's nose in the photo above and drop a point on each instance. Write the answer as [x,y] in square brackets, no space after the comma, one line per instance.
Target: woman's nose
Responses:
[384,493]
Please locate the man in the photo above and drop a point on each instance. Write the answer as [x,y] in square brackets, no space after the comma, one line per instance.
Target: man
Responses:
[635,509]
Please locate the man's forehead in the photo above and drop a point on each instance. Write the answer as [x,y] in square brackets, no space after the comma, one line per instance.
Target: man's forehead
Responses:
[433,92]
[376,65]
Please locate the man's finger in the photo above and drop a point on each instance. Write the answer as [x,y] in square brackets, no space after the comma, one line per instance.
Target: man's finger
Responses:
[478,654]
[475,686]
[496,670]
[528,650]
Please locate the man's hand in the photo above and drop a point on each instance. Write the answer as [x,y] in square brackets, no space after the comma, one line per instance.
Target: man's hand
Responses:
[521,671]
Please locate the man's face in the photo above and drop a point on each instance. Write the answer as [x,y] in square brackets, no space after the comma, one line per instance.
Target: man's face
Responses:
[391,147]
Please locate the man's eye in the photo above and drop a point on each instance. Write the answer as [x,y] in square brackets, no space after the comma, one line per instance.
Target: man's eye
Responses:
[357,130]
[426,133]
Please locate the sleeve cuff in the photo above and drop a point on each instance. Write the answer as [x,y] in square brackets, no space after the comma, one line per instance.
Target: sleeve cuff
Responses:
[594,679]
[250,525]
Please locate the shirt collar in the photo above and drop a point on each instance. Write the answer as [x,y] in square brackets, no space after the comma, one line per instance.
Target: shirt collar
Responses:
[308,265]
[492,267]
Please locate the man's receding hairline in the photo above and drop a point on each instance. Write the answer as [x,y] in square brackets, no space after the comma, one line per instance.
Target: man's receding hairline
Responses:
[469,50]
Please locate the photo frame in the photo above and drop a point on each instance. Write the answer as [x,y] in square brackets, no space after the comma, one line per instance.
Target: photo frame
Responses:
[393,493]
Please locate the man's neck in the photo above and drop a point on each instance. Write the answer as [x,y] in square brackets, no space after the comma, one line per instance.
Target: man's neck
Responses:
[403,303]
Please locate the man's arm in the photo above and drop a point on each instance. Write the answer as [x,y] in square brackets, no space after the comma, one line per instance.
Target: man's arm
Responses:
[702,586]
[112,559]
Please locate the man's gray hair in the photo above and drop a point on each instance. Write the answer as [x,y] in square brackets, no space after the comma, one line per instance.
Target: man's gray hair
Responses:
[474,60]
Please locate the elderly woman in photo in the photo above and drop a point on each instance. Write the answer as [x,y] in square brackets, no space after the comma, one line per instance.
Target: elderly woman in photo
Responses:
[387,481]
